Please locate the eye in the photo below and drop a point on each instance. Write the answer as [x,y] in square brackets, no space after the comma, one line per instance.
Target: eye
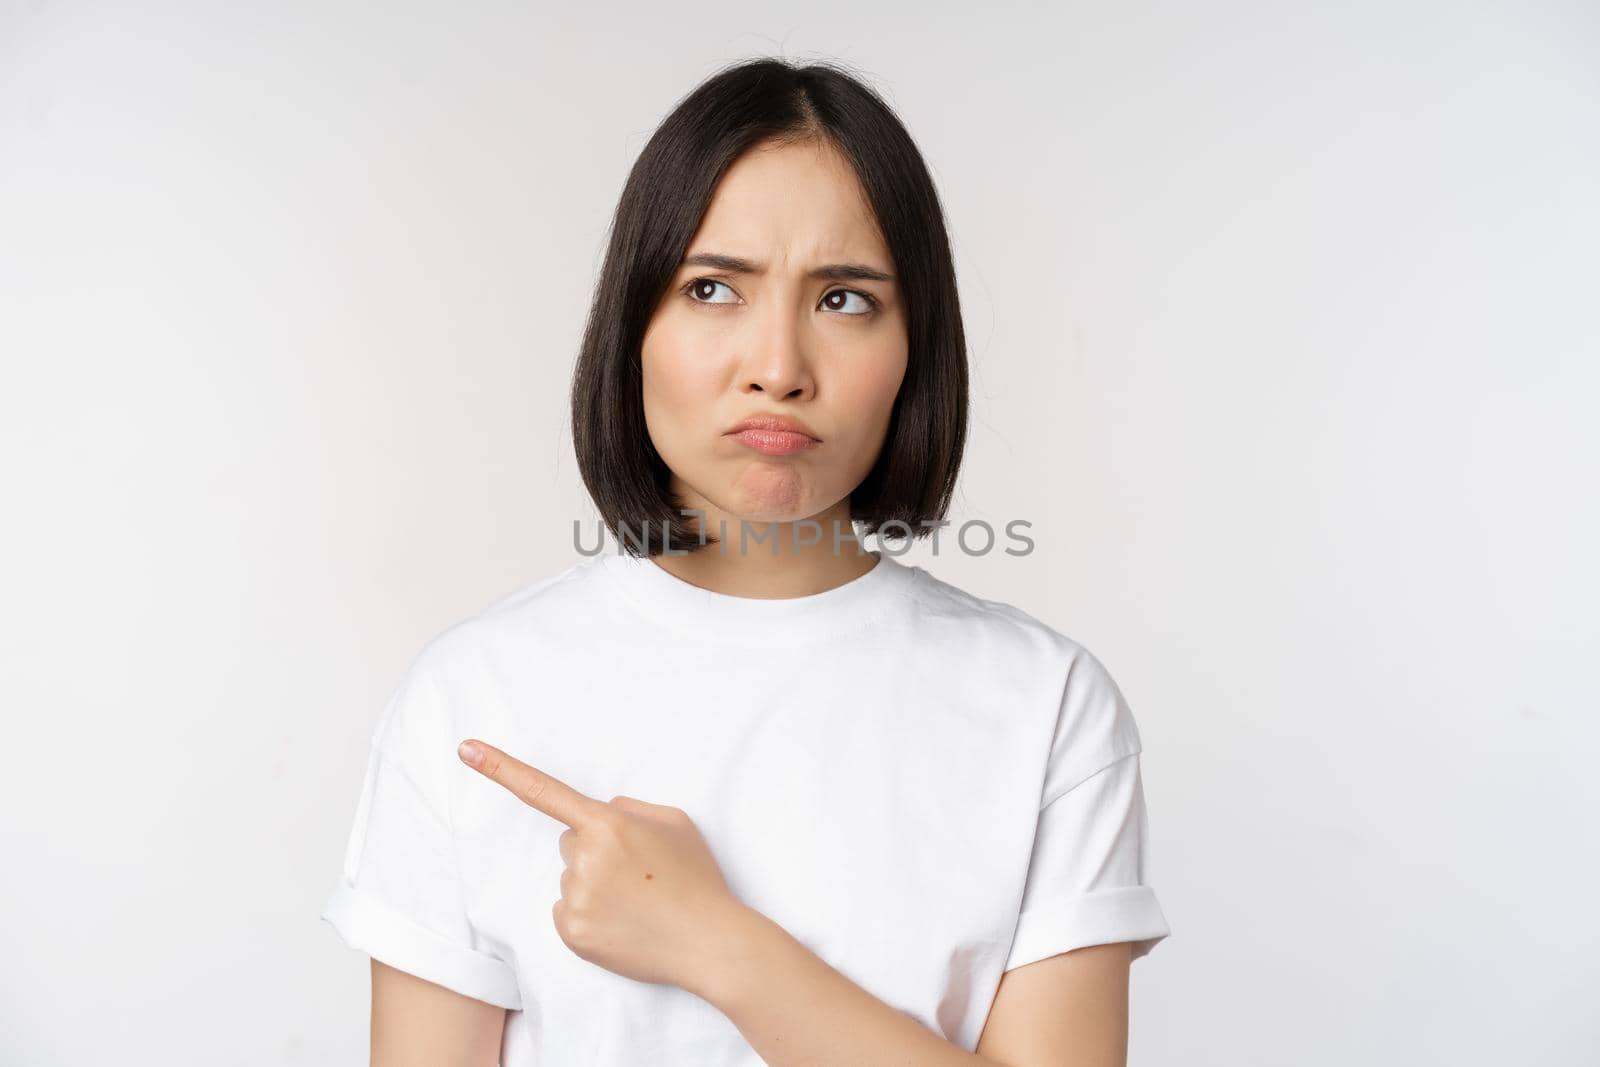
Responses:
[694,288]
[696,291]
[868,302]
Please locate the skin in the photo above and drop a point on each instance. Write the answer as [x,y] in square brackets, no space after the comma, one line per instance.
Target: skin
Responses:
[641,894]
[724,344]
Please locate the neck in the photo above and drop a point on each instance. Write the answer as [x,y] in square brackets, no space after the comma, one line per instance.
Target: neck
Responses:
[774,561]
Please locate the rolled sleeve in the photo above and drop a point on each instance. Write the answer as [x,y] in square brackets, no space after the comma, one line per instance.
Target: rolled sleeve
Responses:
[369,925]
[1086,881]
[399,898]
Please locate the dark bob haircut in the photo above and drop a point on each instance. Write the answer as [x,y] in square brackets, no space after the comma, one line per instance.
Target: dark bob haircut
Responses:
[908,490]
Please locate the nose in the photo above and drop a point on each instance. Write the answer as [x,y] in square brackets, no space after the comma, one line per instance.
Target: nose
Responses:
[777,363]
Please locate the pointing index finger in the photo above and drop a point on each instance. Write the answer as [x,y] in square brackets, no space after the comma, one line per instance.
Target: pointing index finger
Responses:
[532,786]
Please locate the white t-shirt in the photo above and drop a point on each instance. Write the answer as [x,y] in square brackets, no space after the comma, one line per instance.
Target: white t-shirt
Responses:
[923,787]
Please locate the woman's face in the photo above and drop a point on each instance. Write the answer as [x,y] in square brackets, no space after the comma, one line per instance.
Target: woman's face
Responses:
[773,337]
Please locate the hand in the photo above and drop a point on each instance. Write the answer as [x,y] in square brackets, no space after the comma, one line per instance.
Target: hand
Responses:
[641,895]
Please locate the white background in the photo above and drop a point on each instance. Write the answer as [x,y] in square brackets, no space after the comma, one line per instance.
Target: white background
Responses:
[1283,336]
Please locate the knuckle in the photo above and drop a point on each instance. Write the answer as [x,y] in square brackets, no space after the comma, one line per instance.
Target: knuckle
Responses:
[532,790]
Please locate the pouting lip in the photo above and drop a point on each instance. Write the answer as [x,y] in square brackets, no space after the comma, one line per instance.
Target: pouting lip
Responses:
[775,422]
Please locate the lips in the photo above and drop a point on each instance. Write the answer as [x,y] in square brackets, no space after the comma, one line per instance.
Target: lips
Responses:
[776,435]
[779,423]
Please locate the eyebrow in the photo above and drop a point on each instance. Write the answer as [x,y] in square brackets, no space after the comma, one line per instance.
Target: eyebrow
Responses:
[842,272]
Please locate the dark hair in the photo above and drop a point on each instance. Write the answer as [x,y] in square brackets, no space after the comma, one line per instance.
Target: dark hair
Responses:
[666,194]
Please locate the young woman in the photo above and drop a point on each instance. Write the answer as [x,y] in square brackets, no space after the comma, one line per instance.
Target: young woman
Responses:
[739,790]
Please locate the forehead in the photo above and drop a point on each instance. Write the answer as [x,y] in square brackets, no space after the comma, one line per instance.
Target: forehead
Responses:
[795,203]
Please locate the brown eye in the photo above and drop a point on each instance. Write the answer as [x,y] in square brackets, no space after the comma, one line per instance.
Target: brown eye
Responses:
[833,301]
[701,289]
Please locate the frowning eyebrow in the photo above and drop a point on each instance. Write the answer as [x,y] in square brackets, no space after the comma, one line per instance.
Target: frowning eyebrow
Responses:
[839,272]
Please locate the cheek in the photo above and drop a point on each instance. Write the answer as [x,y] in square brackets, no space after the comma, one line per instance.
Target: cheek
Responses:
[873,386]
[676,381]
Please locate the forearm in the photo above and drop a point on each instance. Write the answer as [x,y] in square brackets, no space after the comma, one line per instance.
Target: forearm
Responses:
[794,1009]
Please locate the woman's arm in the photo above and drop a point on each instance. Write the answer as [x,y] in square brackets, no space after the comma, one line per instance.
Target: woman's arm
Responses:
[795,1009]
[418,1024]
[1067,1010]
